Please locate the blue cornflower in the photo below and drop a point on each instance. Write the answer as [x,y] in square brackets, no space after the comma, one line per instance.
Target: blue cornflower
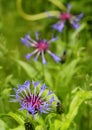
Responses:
[36,100]
[67,16]
[40,47]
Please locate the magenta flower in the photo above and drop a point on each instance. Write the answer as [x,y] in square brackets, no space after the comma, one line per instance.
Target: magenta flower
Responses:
[34,98]
[67,17]
[41,46]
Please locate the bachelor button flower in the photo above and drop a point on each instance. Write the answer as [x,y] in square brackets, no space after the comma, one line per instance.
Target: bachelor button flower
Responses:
[36,100]
[67,17]
[40,47]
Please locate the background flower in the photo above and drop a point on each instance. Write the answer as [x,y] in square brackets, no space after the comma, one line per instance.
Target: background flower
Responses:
[40,47]
[67,17]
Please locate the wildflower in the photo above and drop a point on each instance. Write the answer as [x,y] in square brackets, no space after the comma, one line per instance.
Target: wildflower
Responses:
[36,100]
[67,17]
[40,47]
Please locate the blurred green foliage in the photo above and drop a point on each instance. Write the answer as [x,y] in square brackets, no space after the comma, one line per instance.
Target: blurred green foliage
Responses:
[71,81]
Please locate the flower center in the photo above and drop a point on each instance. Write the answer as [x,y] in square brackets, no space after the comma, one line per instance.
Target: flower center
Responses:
[33,101]
[65,16]
[42,45]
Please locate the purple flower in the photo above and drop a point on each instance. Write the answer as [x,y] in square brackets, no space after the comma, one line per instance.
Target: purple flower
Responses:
[67,17]
[34,98]
[40,47]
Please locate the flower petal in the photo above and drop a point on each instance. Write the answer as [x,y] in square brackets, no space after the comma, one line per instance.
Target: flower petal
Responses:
[52,99]
[31,110]
[59,26]
[55,57]
[37,35]
[31,54]
[42,110]
[37,56]
[79,17]
[42,89]
[35,84]
[53,39]
[69,6]
[26,42]
[50,92]
[75,25]
[27,83]
[43,58]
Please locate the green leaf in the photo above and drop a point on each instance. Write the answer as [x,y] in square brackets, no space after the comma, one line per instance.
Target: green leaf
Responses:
[31,72]
[65,74]
[3,125]
[39,127]
[8,78]
[1,67]
[19,128]
[16,117]
[74,35]
[48,77]
[57,124]
[79,97]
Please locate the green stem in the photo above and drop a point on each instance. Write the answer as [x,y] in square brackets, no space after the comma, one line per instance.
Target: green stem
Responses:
[58,4]
[35,16]
[67,34]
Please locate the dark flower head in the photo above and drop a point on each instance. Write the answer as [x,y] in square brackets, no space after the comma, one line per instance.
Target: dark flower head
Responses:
[36,100]
[67,17]
[40,47]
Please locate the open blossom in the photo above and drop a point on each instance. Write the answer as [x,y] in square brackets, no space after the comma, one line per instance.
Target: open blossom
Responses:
[67,17]
[40,46]
[33,98]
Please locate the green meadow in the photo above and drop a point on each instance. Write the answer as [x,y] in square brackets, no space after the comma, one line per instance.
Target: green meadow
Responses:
[70,79]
